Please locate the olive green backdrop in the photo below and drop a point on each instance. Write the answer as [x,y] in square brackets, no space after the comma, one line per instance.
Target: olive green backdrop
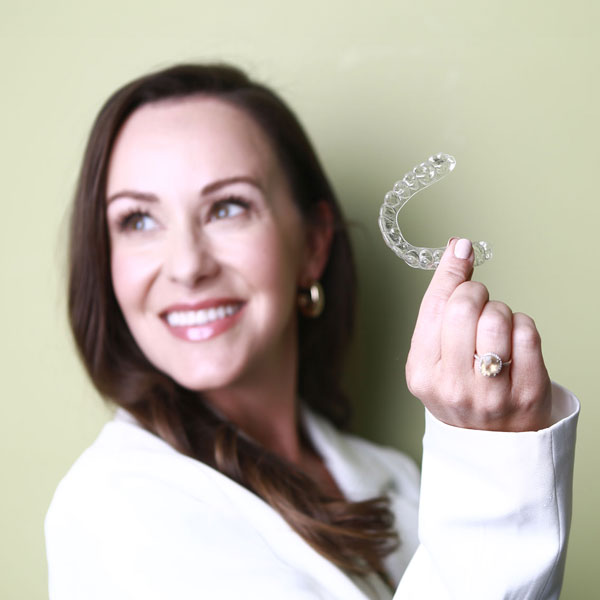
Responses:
[509,87]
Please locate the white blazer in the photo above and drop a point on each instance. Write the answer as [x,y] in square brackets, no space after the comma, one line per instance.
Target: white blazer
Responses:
[135,519]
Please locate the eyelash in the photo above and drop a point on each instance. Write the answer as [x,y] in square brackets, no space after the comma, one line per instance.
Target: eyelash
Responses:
[128,218]
[219,204]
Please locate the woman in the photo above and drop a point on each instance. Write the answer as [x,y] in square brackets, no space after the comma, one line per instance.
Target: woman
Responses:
[205,238]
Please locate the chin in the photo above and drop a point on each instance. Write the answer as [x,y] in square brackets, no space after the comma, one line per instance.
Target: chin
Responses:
[200,382]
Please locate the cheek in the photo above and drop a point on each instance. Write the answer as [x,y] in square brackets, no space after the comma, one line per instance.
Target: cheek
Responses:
[277,262]
[132,275]
[268,256]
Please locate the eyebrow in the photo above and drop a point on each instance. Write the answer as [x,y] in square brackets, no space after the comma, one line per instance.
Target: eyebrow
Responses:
[132,194]
[212,187]
[207,189]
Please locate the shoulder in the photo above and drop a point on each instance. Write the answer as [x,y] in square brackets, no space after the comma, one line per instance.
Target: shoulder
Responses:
[128,478]
[131,505]
[126,463]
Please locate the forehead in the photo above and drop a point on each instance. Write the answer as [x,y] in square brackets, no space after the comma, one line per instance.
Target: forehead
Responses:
[201,135]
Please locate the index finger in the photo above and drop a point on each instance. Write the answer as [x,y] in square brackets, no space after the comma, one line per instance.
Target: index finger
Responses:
[456,267]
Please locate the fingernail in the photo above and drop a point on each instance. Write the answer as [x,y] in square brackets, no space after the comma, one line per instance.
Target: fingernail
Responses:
[452,238]
[462,249]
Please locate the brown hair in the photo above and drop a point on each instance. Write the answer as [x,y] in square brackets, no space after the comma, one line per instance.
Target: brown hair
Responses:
[354,535]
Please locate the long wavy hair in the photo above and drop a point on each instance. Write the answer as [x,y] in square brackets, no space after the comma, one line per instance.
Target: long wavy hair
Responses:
[354,535]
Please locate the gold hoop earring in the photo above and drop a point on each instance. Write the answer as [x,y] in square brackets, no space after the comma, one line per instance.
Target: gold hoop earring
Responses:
[311,302]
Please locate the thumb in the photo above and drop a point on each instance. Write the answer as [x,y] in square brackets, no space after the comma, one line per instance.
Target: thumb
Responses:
[455,268]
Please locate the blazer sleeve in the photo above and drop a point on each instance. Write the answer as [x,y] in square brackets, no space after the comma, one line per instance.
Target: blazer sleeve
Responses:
[494,511]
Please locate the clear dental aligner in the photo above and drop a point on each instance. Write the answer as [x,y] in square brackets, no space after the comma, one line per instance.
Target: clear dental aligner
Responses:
[422,176]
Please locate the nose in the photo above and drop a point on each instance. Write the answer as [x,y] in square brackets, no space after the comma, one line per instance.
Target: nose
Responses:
[190,259]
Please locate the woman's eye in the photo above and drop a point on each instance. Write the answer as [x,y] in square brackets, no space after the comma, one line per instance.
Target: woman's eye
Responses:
[138,221]
[227,209]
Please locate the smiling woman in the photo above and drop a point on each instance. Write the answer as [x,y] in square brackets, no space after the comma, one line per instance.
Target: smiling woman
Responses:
[201,221]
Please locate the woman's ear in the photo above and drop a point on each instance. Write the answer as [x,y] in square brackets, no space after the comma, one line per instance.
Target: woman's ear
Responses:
[319,235]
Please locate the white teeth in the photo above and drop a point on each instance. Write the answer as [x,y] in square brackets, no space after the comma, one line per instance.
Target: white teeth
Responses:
[187,318]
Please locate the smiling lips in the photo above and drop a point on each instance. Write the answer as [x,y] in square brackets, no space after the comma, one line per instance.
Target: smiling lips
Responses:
[202,321]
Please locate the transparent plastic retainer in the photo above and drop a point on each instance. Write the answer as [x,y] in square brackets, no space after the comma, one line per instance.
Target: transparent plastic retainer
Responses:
[422,176]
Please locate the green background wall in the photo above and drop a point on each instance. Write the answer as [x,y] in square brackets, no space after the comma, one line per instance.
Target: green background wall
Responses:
[509,87]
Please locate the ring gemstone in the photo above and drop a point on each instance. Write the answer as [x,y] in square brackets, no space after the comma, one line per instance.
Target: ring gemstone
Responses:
[489,364]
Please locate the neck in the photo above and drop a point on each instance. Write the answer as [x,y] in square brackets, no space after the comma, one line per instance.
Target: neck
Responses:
[265,405]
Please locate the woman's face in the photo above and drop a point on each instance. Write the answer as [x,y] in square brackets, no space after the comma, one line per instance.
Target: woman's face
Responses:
[207,246]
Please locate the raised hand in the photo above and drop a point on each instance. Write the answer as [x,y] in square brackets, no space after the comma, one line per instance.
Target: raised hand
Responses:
[456,321]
